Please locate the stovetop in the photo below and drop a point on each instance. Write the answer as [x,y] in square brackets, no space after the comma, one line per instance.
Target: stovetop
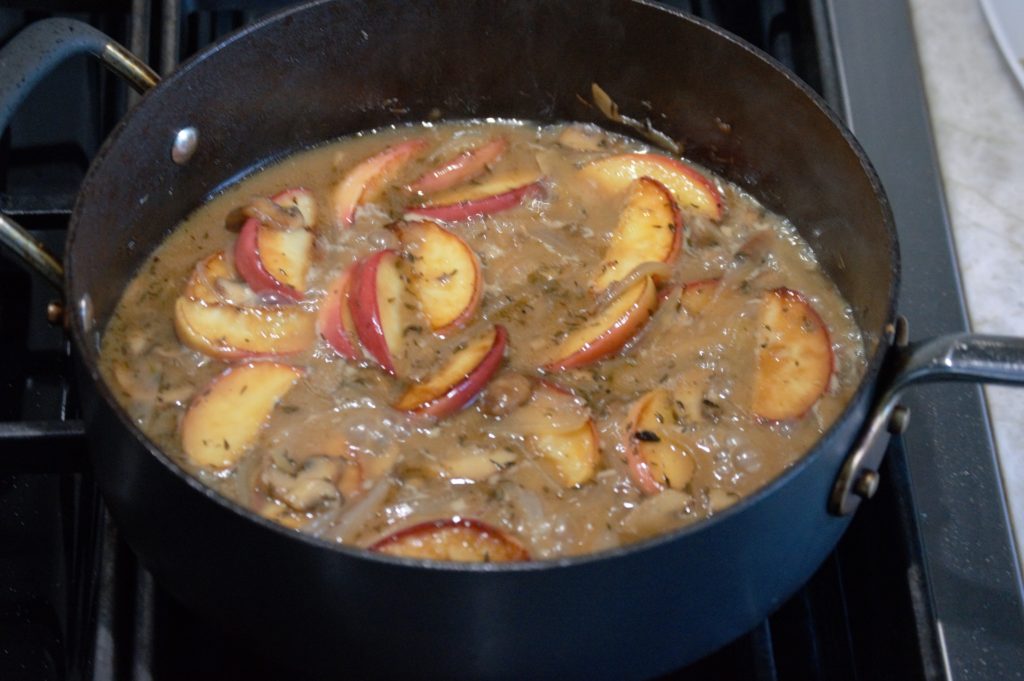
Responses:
[923,586]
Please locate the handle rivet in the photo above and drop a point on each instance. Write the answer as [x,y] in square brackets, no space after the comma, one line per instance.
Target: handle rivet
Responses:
[899,420]
[185,142]
[55,312]
[867,484]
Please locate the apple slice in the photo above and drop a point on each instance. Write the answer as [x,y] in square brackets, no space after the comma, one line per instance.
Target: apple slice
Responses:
[560,432]
[377,301]
[460,380]
[444,276]
[794,356]
[335,318]
[366,180]
[463,168]
[608,330]
[225,420]
[454,539]
[492,197]
[229,332]
[695,296]
[689,187]
[650,229]
[274,260]
[572,456]
[655,461]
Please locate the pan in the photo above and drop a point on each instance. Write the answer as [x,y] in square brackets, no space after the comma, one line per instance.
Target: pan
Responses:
[331,68]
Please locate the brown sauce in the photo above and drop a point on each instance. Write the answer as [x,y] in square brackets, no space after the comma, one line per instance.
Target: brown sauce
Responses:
[677,424]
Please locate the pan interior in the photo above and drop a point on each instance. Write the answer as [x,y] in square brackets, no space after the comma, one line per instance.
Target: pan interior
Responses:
[725,106]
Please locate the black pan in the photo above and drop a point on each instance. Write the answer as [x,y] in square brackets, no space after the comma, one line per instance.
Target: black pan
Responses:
[331,68]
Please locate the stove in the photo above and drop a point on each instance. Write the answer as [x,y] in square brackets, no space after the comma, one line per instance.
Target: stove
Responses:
[925,584]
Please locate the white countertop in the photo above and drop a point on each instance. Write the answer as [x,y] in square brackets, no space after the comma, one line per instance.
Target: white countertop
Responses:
[977,113]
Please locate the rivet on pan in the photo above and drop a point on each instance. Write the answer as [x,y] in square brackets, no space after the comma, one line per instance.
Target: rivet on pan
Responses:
[85,312]
[55,312]
[185,143]
[866,485]
[899,420]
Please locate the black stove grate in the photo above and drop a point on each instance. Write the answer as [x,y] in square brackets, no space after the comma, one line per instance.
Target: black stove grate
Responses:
[74,603]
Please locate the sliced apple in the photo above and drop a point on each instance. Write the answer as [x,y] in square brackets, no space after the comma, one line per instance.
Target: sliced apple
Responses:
[560,432]
[207,273]
[656,462]
[460,380]
[794,357]
[691,189]
[366,180]
[225,420]
[573,456]
[608,330]
[444,273]
[377,300]
[695,296]
[463,168]
[335,318]
[649,229]
[230,332]
[454,539]
[273,260]
[499,194]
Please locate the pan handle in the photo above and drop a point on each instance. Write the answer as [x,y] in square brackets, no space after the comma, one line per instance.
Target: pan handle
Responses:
[963,357]
[25,60]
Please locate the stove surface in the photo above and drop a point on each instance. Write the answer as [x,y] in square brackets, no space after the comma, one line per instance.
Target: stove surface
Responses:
[923,586]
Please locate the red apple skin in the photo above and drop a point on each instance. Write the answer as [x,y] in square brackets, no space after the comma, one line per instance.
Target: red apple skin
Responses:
[465,391]
[462,168]
[364,304]
[331,318]
[351,191]
[249,265]
[247,250]
[488,205]
[510,550]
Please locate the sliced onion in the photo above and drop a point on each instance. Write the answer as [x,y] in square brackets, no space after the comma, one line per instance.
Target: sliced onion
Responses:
[270,214]
[668,508]
[532,520]
[645,269]
[353,518]
[236,293]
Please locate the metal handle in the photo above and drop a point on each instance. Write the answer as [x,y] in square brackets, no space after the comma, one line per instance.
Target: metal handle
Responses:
[968,357]
[961,357]
[25,60]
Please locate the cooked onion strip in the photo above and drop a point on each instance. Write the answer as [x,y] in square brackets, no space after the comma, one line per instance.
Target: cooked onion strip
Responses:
[616,289]
[353,518]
